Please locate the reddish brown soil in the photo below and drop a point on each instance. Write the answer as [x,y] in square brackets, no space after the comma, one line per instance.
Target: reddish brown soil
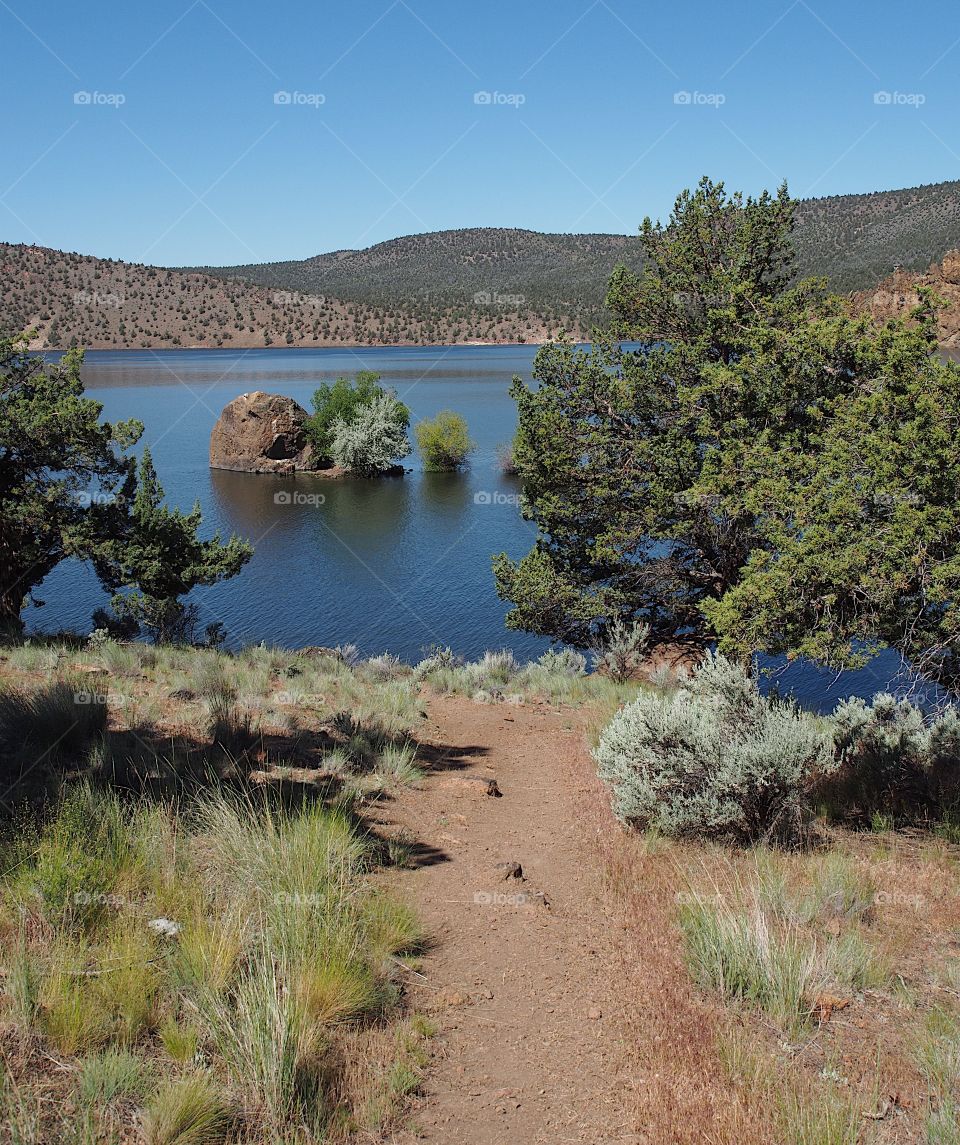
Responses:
[522,977]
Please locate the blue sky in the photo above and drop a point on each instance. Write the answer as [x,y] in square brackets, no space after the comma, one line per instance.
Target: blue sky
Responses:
[223,131]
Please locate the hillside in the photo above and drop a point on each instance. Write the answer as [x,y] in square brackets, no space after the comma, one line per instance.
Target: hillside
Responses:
[854,240]
[74,299]
[897,295]
[562,277]
[473,285]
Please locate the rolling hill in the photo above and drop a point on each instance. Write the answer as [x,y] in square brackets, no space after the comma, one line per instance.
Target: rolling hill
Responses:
[480,284]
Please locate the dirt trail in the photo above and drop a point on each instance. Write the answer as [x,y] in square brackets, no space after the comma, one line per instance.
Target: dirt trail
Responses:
[522,978]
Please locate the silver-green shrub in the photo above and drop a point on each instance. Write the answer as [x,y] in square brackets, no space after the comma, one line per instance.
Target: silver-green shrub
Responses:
[563,662]
[373,440]
[714,759]
[893,759]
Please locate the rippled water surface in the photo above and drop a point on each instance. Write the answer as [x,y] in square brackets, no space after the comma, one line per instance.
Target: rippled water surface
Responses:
[396,564]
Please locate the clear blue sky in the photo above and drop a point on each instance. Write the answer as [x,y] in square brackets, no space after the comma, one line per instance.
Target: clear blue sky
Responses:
[182,153]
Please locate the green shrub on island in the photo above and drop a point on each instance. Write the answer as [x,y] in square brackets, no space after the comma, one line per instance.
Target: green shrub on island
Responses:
[714,759]
[374,439]
[444,442]
[341,403]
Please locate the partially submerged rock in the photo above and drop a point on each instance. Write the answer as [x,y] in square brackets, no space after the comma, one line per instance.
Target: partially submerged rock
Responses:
[261,433]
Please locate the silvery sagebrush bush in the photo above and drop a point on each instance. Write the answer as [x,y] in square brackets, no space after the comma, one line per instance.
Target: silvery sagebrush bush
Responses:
[714,758]
[373,440]
[563,662]
[892,758]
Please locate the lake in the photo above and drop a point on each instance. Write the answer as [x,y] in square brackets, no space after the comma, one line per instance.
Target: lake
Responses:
[395,565]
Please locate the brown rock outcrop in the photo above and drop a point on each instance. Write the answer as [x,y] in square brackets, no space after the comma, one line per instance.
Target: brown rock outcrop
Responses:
[261,433]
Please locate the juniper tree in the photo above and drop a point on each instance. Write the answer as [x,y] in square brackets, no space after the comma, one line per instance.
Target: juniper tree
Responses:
[160,557]
[766,471]
[63,472]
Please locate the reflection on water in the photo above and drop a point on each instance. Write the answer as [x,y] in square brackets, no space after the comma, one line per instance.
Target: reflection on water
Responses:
[395,564]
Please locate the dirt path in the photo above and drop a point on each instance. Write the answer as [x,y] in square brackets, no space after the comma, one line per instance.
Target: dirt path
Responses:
[522,977]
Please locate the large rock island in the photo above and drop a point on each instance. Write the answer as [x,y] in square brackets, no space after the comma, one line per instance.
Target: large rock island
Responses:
[261,433]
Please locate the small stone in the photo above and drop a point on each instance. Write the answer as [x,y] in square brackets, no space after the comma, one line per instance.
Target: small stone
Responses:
[510,870]
[594,1013]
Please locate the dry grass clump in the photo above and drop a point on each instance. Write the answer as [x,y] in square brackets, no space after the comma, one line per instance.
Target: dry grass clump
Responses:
[197,967]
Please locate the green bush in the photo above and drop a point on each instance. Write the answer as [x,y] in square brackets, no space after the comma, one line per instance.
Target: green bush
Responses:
[713,759]
[374,439]
[342,402]
[894,761]
[444,442]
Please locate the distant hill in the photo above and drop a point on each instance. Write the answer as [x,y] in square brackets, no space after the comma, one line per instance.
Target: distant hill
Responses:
[561,277]
[853,240]
[79,300]
[857,240]
[482,284]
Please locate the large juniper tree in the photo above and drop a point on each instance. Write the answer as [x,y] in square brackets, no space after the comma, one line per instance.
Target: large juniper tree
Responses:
[766,471]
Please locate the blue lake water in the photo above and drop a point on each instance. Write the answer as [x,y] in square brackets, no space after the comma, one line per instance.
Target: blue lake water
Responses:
[391,565]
